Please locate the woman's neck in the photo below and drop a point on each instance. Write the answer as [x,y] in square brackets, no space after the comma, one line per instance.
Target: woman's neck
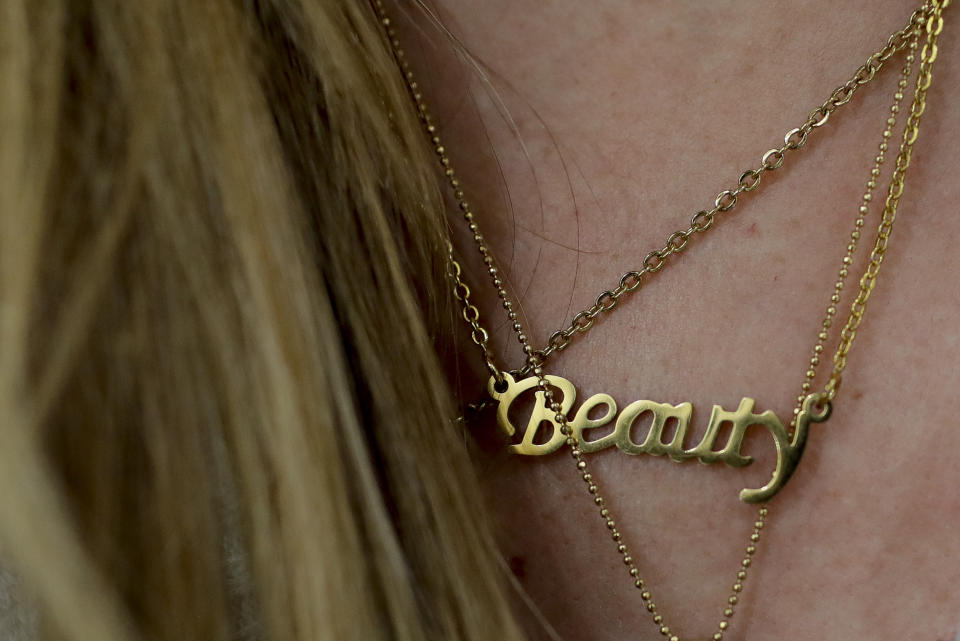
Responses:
[624,120]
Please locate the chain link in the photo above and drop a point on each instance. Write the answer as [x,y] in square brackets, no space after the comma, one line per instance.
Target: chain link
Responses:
[450,174]
[471,315]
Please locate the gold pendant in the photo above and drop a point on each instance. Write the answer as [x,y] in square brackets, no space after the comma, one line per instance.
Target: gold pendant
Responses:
[788,451]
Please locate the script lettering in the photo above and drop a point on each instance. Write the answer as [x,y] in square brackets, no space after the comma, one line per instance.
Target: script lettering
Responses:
[653,443]
[788,450]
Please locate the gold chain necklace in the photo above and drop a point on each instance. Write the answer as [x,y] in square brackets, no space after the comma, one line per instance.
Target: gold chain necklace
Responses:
[505,387]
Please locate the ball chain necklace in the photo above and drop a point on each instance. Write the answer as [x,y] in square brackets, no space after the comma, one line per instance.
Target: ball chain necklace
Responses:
[504,387]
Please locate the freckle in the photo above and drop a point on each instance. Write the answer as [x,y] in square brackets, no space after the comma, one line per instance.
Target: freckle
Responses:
[518,566]
[857,394]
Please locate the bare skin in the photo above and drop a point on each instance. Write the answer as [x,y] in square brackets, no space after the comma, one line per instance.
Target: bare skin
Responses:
[649,110]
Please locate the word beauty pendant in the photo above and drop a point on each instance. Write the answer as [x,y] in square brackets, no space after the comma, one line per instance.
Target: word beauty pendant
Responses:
[788,451]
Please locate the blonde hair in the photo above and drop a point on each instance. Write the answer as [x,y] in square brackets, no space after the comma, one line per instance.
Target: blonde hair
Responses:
[222,414]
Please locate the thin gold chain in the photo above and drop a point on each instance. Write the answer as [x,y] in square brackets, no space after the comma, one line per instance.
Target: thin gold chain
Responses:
[470,313]
[930,17]
[933,28]
[855,235]
[656,260]
[727,199]
[479,336]
[934,25]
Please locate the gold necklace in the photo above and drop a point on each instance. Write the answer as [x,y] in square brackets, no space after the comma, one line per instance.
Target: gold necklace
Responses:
[505,387]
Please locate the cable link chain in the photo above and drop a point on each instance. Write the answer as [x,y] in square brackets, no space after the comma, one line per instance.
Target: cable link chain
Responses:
[471,315]
[450,174]
[727,199]
[855,234]
[701,222]
[933,27]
